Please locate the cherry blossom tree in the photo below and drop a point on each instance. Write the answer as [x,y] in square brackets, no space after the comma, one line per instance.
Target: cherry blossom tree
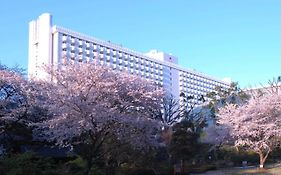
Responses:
[17,109]
[91,103]
[255,125]
[170,112]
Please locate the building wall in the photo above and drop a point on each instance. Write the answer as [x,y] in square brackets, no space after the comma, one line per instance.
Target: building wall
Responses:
[40,45]
[171,75]
[53,45]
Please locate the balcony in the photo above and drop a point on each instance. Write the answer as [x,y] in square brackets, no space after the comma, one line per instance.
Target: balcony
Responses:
[108,52]
[114,53]
[101,50]
[126,57]
[95,48]
[80,50]
[64,46]
[88,46]
[114,59]
[64,37]
[120,54]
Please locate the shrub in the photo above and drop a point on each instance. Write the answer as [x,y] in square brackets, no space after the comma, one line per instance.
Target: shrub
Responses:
[141,172]
[201,168]
[230,155]
[28,163]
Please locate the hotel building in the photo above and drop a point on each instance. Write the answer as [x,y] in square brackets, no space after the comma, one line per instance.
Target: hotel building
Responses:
[50,45]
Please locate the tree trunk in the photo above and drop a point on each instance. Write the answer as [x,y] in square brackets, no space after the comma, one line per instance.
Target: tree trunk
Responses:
[263,158]
[182,166]
[89,166]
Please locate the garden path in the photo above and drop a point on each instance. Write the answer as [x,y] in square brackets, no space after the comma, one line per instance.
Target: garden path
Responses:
[214,172]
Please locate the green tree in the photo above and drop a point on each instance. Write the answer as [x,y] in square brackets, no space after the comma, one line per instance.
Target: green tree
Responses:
[221,96]
[184,144]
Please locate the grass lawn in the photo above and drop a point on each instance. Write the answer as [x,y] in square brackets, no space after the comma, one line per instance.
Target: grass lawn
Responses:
[245,171]
[256,171]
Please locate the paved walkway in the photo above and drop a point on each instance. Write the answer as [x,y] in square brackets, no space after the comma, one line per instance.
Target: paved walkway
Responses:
[214,172]
[225,171]
[221,171]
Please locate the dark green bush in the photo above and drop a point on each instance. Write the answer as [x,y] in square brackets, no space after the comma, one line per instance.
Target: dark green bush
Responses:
[201,168]
[141,172]
[32,164]
[232,157]
[27,163]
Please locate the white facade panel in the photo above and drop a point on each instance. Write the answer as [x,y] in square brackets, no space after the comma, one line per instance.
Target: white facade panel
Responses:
[40,46]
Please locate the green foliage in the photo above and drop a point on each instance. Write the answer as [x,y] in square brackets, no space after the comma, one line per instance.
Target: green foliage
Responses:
[18,134]
[27,163]
[184,144]
[32,164]
[200,168]
[135,171]
[142,172]
[221,96]
[275,154]
[234,157]
[75,166]
[78,166]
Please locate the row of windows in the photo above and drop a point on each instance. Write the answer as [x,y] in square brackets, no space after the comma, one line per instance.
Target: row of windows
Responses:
[195,88]
[82,47]
[196,96]
[113,61]
[83,50]
[186,76]
[191,75]
[148,76]
[192,101]
[142,73]
[196,83]
[211,84]
[87,53]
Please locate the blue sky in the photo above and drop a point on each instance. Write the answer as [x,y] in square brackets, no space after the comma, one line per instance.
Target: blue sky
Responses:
[240,39]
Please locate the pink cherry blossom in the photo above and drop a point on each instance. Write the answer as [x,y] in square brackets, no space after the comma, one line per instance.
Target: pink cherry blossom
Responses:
[255,125]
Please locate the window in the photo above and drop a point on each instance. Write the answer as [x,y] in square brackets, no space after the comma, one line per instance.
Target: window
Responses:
[114,53]
[101,49]
[107,51]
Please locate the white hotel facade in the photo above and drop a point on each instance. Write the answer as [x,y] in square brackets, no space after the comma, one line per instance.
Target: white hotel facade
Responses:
[50,45]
